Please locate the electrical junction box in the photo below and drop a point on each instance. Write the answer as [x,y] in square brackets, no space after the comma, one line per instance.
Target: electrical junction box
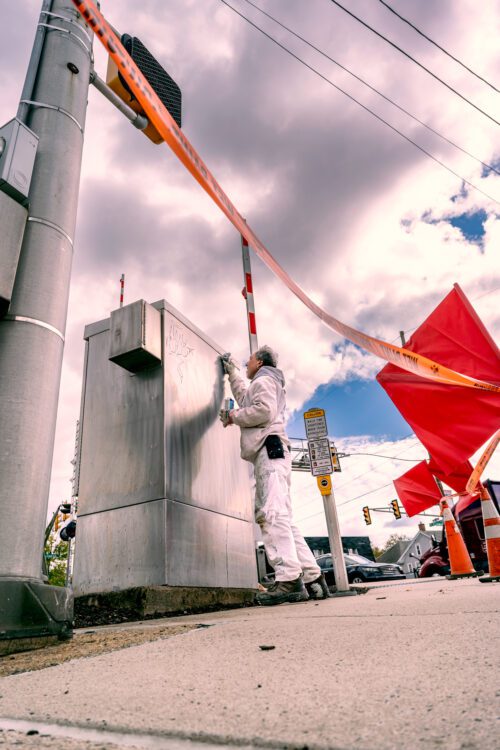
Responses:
[13,219]
[18,145]
[135,336]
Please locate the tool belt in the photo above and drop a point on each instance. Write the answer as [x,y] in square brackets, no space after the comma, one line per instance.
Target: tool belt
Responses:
[274,446]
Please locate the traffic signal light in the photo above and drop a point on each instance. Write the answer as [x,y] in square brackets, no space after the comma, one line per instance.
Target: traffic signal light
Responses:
[335,459]
[366,513]
[162,84]
[396,509]
[68,532]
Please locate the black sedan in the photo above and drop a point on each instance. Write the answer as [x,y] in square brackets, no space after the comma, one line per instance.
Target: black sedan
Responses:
[360,570]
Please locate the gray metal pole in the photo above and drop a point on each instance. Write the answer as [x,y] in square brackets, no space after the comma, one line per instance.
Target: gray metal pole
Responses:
[32,333]
[332,524]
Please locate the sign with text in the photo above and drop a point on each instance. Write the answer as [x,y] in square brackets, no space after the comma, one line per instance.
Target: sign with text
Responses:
[321,457]
[315,422]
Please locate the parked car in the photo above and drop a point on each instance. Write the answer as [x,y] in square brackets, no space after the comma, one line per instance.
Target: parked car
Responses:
[360,570]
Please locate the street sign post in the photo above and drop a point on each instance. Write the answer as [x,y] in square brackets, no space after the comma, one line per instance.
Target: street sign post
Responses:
[315,422]
[320,454]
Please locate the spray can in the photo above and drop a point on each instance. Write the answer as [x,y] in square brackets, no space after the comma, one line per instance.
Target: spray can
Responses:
[228,406]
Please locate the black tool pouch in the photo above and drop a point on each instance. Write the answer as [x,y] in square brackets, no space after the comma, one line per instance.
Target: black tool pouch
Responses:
[274,446]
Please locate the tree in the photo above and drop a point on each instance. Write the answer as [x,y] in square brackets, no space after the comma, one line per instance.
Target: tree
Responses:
[56,556]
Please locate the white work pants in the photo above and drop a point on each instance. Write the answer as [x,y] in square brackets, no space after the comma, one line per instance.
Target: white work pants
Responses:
[285,547]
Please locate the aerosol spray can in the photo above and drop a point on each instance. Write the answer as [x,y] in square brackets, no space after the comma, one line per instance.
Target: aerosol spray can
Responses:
[228,406]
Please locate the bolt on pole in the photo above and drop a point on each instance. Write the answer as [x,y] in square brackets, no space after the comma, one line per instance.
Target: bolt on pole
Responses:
[53,105]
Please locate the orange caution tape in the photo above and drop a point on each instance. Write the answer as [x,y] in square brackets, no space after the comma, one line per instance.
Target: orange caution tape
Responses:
[175,138]
[481,464]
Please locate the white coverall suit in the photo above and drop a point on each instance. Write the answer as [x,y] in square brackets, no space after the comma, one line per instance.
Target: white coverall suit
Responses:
[262,413]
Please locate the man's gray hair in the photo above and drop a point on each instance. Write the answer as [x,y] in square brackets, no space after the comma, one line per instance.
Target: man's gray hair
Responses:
[267,356]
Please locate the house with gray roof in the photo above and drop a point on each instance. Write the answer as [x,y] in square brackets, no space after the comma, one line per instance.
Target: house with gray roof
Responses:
[407,554]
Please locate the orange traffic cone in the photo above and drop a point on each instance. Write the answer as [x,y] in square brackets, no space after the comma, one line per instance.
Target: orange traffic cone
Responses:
[491,521]
[460,563]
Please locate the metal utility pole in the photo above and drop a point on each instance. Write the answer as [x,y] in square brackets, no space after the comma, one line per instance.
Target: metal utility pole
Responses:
[320,459]
[53,106]
[332,525]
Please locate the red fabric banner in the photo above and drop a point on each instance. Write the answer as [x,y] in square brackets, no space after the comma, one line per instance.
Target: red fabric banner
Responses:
[417,489]
[456,479]
[452,422]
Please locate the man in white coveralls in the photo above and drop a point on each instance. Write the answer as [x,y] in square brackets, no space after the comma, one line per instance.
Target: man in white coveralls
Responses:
[264,442]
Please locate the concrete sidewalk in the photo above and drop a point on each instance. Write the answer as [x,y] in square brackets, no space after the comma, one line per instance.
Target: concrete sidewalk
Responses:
[404,666]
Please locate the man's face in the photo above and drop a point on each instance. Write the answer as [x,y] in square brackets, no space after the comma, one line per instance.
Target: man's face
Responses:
[253,366]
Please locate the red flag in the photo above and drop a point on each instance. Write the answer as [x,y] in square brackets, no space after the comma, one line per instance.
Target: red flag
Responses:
[456,479]
[451,421]
[417,489]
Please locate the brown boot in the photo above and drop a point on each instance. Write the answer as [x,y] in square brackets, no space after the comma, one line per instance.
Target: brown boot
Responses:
[283,591]
[318,589]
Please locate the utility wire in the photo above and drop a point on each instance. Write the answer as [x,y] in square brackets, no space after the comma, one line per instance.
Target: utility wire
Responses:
[485,294]
[359,477]
[413,59]
[356,101]
[405,20]
[380,455]
[358,497]
[372,88]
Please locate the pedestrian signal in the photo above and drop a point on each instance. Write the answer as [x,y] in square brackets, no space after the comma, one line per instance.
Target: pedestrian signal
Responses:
[396,509]
[366,514]
[162,84]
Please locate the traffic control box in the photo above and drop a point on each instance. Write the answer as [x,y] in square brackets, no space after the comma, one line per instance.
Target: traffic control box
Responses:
[135,336]
[13,219]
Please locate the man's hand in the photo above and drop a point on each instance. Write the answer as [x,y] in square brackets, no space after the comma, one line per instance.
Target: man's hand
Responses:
[227,363]
[226,417]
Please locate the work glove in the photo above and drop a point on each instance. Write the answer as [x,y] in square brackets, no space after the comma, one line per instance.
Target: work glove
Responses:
[227,363]
[225,417]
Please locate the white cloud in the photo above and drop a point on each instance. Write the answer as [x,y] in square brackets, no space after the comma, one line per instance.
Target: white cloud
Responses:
[367,480]
[322,183]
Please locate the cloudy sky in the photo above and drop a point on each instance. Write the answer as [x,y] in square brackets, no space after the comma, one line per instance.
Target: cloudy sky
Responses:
[374,230]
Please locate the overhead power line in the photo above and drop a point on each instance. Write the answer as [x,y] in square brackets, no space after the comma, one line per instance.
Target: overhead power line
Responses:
[456,59]
[381,455]
[354,479]
[413,59]
[358,497]
[372,88]
[485,294]
[356,101]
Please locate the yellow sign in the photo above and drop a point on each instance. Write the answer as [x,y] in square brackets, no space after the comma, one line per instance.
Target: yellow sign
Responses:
[315,424]
[314,413]
[324,484]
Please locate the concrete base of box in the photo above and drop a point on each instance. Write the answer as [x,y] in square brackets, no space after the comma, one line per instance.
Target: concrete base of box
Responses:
[155,601]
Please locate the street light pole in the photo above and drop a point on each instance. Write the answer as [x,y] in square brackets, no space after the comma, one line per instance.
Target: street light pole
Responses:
[53,105]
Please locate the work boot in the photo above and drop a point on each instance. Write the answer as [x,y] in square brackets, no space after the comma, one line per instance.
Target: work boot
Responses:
[283,591]
[318,589]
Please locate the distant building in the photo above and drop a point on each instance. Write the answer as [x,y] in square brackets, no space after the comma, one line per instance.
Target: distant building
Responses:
[407,554]
[354,545]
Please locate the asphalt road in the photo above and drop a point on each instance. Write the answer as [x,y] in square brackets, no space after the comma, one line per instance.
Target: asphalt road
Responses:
[413,665]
